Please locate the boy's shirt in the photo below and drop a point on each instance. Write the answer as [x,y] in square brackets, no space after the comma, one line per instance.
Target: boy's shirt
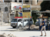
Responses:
[44,23]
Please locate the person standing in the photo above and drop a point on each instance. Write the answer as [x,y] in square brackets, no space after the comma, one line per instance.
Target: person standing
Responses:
[43,27]
[20,13]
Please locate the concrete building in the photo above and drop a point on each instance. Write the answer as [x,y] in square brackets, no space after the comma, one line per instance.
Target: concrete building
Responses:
[5,7]
[4,11]
[1,0]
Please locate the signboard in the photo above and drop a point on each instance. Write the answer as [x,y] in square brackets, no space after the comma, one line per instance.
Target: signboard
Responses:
[14,4]
[27,15]
[18,10]
[26,11]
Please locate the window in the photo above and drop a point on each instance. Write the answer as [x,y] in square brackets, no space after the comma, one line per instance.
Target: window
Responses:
[25,20]
[20,0]
[26,0]
[30,19]
[15,0]
[6,9]
[7,0]
[14,20]
[19,20]
[0,9]
[37,1]
[31,1]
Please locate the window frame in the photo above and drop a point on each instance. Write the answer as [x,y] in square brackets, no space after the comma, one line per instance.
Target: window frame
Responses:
[20,0]
[0,9]
[6,9]
[19,20]
[26,1]
[15,0]
[7,1]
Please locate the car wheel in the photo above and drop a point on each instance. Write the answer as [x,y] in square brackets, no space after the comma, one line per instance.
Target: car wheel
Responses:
[14,27]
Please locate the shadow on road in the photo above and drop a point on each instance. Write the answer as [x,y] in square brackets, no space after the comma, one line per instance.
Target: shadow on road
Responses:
[31,29]
[11,28]
[37,36]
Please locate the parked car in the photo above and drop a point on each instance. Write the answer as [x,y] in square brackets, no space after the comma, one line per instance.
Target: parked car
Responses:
[14,23]
[20,22]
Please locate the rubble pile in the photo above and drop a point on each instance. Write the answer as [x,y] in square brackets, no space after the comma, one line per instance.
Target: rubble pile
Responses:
[7,35]
[1,36]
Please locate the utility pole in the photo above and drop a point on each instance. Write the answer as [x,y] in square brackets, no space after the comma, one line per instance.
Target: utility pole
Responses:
[22,16]
[29,23]
[22,2]
[3,0]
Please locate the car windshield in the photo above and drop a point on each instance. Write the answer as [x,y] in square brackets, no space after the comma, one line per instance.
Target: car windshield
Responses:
[19,20]
[26,20]
[14,20]
[30,19]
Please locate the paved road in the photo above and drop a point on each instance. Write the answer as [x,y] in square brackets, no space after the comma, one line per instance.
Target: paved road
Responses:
[27,33]
[19,33]
[8,28]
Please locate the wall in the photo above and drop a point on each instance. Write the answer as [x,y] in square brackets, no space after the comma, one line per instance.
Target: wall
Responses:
[5,14]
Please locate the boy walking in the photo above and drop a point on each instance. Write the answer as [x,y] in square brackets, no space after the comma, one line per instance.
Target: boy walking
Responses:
[43,27]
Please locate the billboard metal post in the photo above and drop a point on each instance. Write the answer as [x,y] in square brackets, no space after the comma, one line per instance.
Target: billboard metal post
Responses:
[22,2]
[3,0]
[23,19]
[29,22]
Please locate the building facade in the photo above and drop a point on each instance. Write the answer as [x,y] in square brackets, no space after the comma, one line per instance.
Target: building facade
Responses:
[5,7]
[4,11]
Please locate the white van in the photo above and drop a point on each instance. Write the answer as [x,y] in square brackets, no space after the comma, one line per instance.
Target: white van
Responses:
[20,22]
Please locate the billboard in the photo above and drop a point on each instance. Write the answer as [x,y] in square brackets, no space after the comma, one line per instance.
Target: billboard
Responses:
[18,11]
[26,11]
[14,4]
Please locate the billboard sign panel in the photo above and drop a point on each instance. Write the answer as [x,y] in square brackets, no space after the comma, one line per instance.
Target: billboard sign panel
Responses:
[26,11]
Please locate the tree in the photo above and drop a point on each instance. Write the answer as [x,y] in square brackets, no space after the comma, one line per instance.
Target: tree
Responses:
[34,16]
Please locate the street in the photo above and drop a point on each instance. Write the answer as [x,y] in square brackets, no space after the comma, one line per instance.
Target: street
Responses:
[8,29]
[26,17]
[26,33]
[17,32]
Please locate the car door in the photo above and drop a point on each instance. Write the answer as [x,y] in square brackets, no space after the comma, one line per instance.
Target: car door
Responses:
[20,22]
[25,22]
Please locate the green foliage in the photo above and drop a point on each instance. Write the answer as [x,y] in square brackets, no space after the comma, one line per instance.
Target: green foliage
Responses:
[34,16]
[45,5]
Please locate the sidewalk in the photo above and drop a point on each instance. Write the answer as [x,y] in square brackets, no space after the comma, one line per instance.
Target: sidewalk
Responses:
[4,24]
